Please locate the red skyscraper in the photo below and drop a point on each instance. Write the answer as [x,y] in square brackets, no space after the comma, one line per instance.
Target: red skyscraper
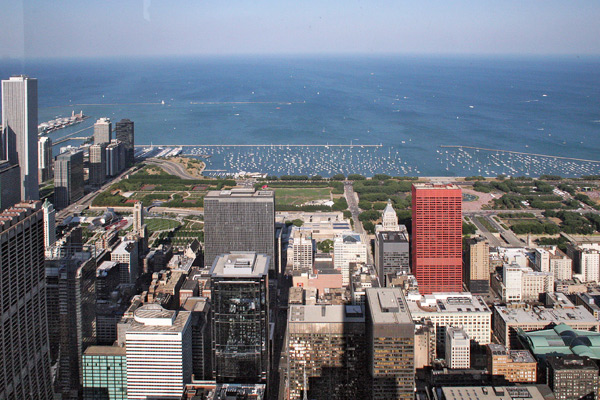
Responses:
[437,237]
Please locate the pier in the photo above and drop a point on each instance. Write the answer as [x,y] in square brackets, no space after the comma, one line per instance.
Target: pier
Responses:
[70,136]
[520,153]
[260,145]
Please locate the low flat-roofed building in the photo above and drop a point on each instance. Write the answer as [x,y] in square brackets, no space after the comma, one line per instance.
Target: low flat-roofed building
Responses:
[514,365]
[530,392]
[454,309]
[561,340]
[572,377]
[508,320]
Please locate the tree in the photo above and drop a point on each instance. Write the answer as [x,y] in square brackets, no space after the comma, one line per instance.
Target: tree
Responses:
[325,246]
[339,177]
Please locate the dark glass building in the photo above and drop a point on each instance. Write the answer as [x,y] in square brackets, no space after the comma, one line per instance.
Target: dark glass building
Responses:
[240,328]
[125,133]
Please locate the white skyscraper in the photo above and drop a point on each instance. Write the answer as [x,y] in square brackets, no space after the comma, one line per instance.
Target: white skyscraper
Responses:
[159,353]
[49,224]
[45,158]
[19,131]
[458,348]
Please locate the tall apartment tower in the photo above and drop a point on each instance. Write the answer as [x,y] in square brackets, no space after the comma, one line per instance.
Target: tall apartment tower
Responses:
[20,132]
[158,346]
[138,217]
[239,220]
[476,265]
[115,158]
[45,159]
[97,164]
[102,131]
[125,133]
[437,237]
[49,224]
[391,342]
[68,178]
[240,331]
[9,174]
[24,348]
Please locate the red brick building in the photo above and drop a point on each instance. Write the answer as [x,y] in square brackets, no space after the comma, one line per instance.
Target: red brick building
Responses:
[437,237]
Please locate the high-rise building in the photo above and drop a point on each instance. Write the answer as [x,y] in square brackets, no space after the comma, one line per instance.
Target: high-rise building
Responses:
[301,251]
[102,131]
[20,131]
[97,164]
[391,344]
[348,247]
[389,219]
[126,254]
[552,259]
[458,348]
[45,159]
[104,373]
[437,237]
[68,178]
[125,133]
[24,339]
[476,265]
[392,254]
[239,220]
[158,346]
[327,352]
[138,217]
[115,158]
[572,377]
[49,224]
[524,284]
[9,174]
[71,315]
[240,333]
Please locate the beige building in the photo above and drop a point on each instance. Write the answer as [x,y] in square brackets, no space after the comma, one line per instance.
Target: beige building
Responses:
[476,265]
[552,259]
[524,284]
[508,320]
[348,248]
[515,365]
[453,309]
[529,392]
[458,348]
[301,250]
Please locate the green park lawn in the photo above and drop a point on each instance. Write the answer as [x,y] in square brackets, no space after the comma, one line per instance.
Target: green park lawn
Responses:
[298,196]
[161,224]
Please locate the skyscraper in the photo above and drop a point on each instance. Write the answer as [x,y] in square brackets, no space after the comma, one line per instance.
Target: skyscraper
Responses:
[24,348]
[392,254]
[19,131]
[240,332]
[138,217]
[239,220]
[437,237]
[125,133]
[97,164]
[45,158]
[476,260]
[391,343]
[49,224]
[68,178]
[102,131]
[9,194]
[159,353]
[115,158]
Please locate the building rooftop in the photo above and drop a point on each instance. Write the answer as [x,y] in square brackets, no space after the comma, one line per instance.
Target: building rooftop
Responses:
[447,303]
[388,306]
[105,267]
[105,351]
[393,237]
[571,362]
[125,247]
[326,314]
[154,318]
[544,315]
[562,340]
[240,264]
[516,356]
[531,392]
[248,193]
[429,185]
